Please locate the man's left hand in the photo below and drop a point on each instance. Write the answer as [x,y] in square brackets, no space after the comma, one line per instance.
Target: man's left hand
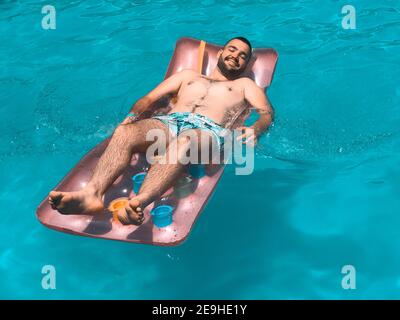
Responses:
[248,136]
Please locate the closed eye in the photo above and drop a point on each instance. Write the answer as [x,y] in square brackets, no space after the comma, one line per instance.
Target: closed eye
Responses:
[242,54]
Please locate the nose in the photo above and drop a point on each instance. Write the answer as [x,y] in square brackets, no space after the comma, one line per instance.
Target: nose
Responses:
[235,55]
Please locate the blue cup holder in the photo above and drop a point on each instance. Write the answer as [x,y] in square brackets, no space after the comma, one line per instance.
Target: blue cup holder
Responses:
[197,171]
[137,181]
[162,215]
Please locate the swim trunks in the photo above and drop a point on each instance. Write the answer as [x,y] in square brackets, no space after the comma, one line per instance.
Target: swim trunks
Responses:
[178,122]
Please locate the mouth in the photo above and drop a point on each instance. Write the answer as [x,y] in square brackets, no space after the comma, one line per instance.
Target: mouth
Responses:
[232,62]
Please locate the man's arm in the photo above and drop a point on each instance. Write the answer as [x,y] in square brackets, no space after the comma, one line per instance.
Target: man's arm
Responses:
[257,98]
[168,86]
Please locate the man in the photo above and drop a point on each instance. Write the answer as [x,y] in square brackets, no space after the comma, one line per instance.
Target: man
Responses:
[204,106]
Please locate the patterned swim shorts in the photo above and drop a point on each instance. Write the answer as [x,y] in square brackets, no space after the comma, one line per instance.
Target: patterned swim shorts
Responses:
[178,122]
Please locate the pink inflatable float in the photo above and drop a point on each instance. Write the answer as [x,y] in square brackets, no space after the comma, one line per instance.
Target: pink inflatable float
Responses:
[189,195]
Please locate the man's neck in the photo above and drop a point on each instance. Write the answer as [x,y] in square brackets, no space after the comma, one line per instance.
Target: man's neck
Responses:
[217,75]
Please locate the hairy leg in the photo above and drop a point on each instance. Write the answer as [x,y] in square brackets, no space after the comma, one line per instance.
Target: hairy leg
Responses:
[126,139]
[164,173]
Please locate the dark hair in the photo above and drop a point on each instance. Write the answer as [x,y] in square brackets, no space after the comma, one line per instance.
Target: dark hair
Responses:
[243,39]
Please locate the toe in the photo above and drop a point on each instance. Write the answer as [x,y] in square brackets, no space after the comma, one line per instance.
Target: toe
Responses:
[135,217]
[55,197]
[123,217]
[134,204]
[55,194]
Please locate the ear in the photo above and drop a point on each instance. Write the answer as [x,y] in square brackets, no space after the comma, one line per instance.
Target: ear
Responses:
[219,53]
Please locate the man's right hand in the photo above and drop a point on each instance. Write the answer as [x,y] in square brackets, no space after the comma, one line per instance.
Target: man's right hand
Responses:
[129,120]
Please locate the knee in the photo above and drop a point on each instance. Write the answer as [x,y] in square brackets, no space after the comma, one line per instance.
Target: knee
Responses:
[125,135]
[179,146]
[125,130]
[183,140]
[189,137]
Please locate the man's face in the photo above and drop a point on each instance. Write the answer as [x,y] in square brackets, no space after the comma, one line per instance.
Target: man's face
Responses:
[233,58]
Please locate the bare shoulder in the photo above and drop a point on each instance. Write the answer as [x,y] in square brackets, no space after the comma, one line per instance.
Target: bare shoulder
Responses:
[183,74]
[248,84]
[188,73]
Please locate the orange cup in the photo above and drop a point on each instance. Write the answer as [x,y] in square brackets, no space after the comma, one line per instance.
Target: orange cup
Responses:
[117,204]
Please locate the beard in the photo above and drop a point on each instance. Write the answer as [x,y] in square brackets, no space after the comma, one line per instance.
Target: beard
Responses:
[229,73]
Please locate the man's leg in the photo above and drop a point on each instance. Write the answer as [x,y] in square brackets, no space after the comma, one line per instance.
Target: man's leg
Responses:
[126,139]
[162,174]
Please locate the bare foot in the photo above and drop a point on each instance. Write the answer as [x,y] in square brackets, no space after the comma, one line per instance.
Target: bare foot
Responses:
[132,213]
[77,202]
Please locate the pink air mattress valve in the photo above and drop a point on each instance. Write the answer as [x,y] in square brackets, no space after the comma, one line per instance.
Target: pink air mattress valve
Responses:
[167,221]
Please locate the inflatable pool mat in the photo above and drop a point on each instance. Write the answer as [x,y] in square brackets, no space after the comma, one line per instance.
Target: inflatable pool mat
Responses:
[191,196]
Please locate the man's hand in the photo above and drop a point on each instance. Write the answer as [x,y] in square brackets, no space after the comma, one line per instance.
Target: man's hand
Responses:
[257,98]
[248,136]
[129,120]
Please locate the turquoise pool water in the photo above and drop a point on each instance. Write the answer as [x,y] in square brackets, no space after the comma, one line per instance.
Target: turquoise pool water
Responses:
[325,191]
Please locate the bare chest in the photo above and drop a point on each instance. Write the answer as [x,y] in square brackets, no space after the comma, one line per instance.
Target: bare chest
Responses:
[206,91]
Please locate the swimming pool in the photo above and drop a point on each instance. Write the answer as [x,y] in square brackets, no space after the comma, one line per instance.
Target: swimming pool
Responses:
[325,191]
